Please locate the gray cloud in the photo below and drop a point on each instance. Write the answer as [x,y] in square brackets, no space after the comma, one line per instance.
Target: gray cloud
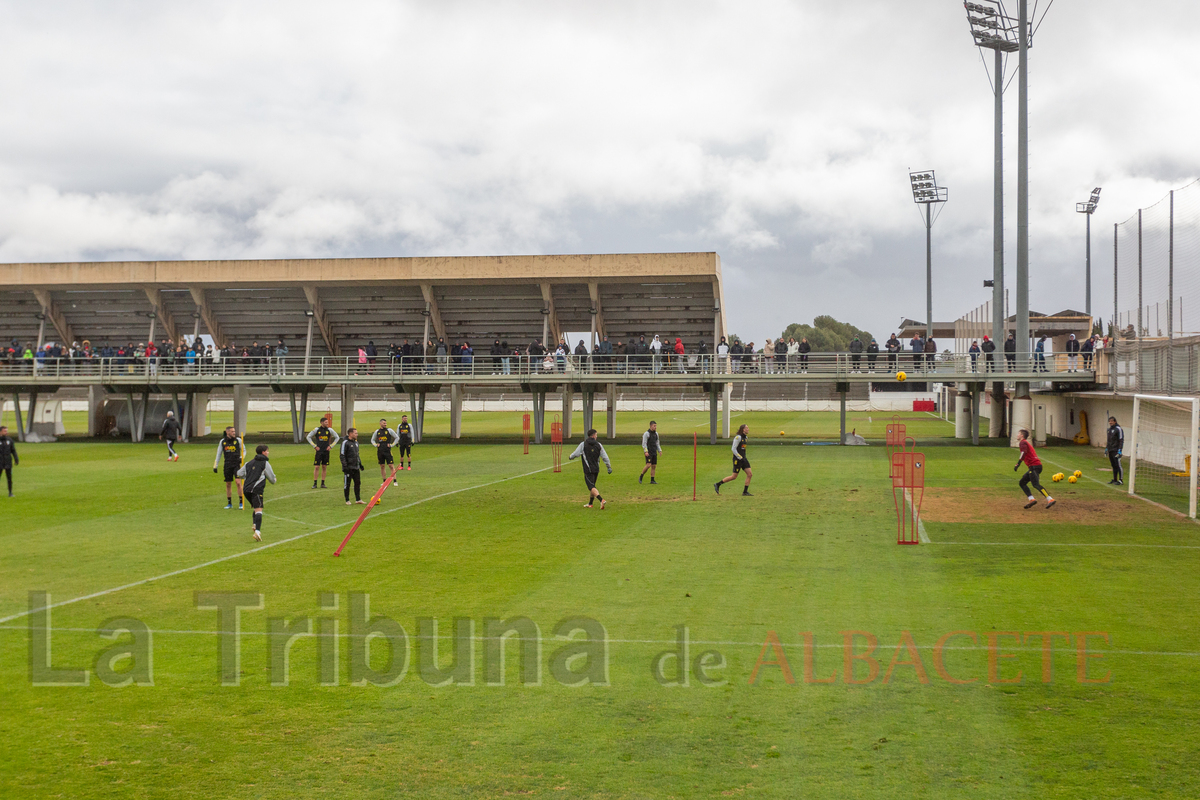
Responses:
[778,134]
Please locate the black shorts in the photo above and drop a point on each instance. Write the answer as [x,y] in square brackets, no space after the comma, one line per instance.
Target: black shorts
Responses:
[321,458]
[385,456]
[231,472]
[254,499]
[590,479]
[405,448]
[652,457]
[740,464]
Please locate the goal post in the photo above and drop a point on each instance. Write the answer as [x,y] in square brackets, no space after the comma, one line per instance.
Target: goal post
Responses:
[1164,440]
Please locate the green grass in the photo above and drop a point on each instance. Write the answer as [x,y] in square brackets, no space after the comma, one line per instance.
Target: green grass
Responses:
[813,551]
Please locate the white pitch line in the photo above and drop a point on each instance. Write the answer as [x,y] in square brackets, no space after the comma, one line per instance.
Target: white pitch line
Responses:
[702,642]
[921,533]
[1179,514]
[173,573]
[1078,544]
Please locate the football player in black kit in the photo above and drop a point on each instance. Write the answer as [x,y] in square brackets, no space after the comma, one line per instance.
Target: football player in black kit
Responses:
[650,449]
[232,449]
[740,462]
[383,438]
[322,438]
[352,467]
[404,432]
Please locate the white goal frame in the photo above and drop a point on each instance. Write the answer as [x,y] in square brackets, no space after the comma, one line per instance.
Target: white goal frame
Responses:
[1192,442]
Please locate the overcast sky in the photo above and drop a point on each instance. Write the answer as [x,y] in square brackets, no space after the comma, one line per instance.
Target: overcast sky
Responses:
[778,134]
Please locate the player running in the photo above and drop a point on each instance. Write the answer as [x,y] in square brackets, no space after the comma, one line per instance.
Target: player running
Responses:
[232,449]
[323,438]
[650,448]
[1113,448]
[404,431]
[740,462]
[591,452]
[170,432]
[352,467]
[1034,470]
[383,438]
[256,473]
[8,456]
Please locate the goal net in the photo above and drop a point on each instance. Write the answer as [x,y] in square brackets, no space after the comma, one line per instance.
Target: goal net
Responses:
[1162,450]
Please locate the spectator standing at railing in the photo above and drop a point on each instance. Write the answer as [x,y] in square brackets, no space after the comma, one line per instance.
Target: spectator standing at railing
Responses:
[769,355]
[856,348]
[872,354]
[1086,350]
[496,353]
[656,354]
[1010,351]
[1072,353]
[152,358]
[191,359]
[680,355]
[443,356]
[930,353]
[782,353]
[466,356]
[735,355]
[974,351]
[1039,355]
[723,355]
[702,356]
[893,352]
[917,345]
[606,354]
[988,347]
[581,354]
[372,355]
[803,348]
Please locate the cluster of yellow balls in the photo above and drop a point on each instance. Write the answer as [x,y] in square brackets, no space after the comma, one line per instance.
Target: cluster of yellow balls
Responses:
[1072,478]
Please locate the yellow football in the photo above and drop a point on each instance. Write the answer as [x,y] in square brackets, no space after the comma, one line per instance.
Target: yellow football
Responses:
[1078,473]
[900,376]
[1056,477]
[1072,479]
[781,433]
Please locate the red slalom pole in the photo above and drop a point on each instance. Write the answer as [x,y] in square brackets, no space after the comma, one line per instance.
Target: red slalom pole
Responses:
[694,451]
[370,504]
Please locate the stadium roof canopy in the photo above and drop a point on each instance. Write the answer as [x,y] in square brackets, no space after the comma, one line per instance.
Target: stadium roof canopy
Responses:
[356,300]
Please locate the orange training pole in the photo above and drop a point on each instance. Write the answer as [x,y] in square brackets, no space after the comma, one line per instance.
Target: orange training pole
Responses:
[370,504]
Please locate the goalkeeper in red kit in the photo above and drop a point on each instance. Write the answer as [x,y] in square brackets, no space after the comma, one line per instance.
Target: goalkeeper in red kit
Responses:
[1033,466]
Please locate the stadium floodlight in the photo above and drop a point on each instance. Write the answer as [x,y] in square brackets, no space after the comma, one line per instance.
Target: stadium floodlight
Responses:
[995,30]
[926,191]
[308,312]
[1088,208]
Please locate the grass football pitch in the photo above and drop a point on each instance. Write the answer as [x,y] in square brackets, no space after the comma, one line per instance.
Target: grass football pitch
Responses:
[1016,653]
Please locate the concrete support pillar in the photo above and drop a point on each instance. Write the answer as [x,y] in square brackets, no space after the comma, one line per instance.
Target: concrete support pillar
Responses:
[712,413]
[419,433]
[842,388]
[456,410]
[976,392]
[568,409]
[999,410]
[185,418]
[20,419]
[1039,424]
[347,420]
[95,402]
[611,411]
[726,394]
[962,415]
[297,432]
[304,413]
[197,411]
[133,426]
[589,402]
[1022,417]
[412,415]
[539,414]
[241,407]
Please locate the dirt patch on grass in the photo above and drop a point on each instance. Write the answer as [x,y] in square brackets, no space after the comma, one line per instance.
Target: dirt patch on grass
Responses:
[989,505]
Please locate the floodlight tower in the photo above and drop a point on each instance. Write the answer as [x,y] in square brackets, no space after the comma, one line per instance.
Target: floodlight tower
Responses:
[993,30]
[925,190]
[1089,208]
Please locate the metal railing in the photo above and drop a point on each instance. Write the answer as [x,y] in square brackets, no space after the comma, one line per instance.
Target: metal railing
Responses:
[834,366]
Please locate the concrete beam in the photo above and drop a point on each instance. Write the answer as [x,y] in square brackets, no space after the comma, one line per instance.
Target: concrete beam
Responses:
[54,314]
[548,303]
[435,315]
[154,295]
[314,303]
[210,319]
[594,294]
